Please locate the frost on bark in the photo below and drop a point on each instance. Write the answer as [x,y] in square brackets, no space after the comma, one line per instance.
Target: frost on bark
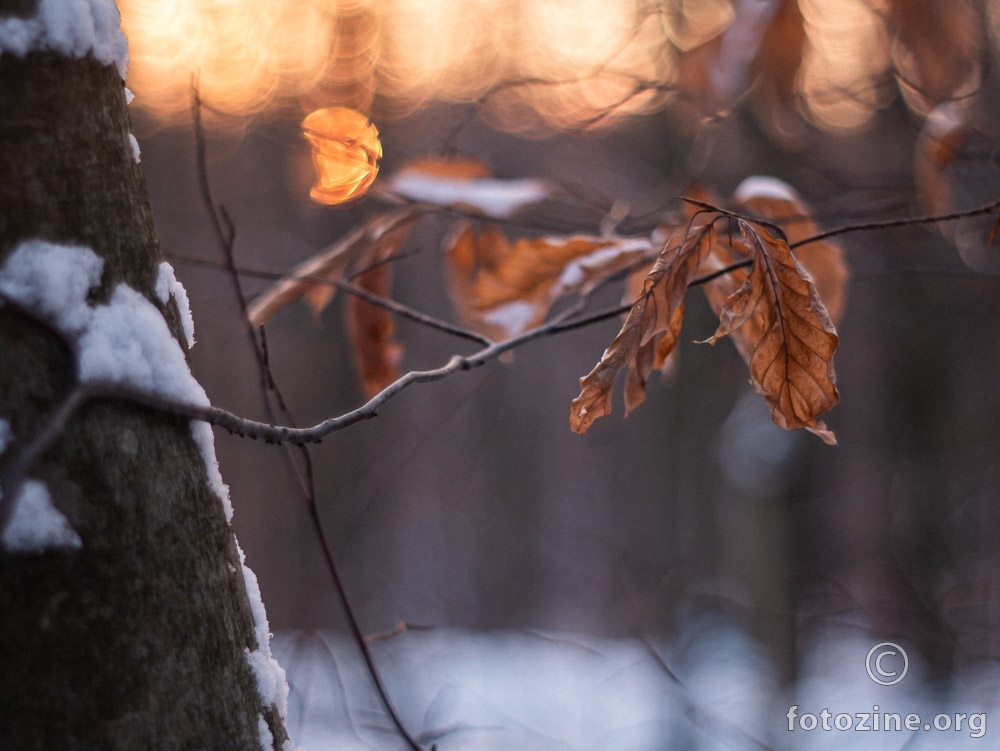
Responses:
[137,639]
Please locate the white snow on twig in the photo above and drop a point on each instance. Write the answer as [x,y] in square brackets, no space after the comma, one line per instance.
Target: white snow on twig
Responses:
[72,27]
[489,196]
[125,340]
[764,186]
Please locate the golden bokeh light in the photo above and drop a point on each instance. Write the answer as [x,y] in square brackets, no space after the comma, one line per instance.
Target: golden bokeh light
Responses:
[345,152]
[242,53]
[846,55]
[560,62]
[694,22]
[535,65]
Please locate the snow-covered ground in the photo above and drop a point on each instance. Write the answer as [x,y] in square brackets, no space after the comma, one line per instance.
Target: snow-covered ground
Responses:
[712,689]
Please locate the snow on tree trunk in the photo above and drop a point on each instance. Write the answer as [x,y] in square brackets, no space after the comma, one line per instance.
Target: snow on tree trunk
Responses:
[129,626]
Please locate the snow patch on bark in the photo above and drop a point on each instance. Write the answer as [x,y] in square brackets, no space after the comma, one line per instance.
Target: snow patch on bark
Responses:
[37,525]
[133,142]
[270,676]
[266,739]
[53,281]
[72,27]
[167,286]
[205,438]
[126,341]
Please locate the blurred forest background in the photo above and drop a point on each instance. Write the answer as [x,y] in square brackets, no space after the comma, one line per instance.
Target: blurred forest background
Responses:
[469,503]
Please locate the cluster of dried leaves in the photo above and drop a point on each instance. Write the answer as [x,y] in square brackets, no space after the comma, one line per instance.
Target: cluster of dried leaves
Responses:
[768,301]
[777,305]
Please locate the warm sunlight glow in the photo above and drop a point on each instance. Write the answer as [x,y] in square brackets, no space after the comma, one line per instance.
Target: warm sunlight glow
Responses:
[241,52]
[346,151]
[694,22]
[556,62]
[845,56]
[534,65]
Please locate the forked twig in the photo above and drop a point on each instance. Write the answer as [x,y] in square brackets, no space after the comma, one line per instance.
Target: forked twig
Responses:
[225,238]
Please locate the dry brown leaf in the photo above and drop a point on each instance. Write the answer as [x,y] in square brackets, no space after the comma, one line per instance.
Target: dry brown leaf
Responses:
[776,201]
[311,279]
[370,331]
[791,337]
[649,333]
[772,311]
[820,265]
[371,328]
[503,289]
[728,252]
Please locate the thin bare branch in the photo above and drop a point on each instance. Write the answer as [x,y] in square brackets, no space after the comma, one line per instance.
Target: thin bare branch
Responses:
[990,208]
[350,288]
[306,483]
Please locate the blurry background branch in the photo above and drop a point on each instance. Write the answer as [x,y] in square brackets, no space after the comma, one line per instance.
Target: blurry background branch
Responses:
[473,506]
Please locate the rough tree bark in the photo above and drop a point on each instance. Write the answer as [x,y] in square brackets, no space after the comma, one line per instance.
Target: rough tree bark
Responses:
[136,640]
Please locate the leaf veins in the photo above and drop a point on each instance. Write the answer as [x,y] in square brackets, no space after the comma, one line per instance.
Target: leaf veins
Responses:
[791,338]
[773,311]
[649,333]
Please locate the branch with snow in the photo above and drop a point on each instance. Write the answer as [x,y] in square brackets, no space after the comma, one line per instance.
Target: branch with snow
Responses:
[124,349]
[172,390]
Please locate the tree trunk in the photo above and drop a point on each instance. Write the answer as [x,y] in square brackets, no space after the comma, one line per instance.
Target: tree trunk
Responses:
[139,638]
